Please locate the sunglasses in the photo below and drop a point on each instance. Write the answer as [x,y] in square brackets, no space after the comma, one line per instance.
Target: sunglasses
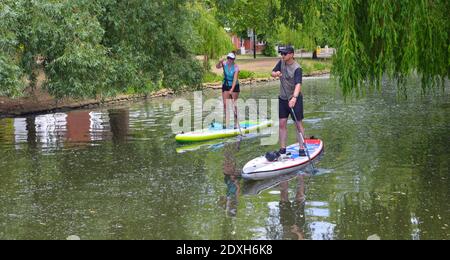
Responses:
[284,53]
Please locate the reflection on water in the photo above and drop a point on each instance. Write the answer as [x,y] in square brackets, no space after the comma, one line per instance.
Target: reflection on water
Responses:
[231,177]
[115,173]
[60,130]
[232,181]
[291,216]
[292,211]
[119,121]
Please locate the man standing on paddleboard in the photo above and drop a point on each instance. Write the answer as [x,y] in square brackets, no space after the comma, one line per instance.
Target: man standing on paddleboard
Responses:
[290,74]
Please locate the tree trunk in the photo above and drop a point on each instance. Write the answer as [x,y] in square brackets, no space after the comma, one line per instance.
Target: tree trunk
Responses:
[206,62]
[314,56]
[254,44]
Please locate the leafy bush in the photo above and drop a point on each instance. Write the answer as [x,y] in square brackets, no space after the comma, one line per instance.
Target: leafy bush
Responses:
[10,83]
[319,66]
[270,51]
[211,77]
[244,74]
[98,48]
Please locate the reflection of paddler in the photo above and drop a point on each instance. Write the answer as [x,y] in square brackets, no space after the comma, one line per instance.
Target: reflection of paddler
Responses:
[231,179]
[232,197]
[292,214]
[229,164]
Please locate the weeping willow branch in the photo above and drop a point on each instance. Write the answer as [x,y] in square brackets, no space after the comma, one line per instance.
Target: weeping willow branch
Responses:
[391,38]
[212,39]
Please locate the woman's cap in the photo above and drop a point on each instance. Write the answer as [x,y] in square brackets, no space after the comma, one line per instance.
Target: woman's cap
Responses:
[231,55]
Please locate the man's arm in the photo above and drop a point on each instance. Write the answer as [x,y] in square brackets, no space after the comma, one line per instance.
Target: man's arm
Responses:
[298,90]
[276,72]
[298,87]
[298,76]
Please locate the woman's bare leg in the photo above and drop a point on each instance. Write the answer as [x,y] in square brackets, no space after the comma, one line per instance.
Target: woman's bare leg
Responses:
[226,98]
[235,108]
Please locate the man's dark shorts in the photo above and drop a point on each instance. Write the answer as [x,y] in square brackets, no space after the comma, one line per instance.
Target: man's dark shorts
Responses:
[285,110]
[225,88]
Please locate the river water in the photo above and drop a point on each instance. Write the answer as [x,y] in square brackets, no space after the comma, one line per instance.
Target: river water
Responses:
[116,172]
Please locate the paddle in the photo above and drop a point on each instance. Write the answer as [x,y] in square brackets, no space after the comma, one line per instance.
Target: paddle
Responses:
[236,116]
[302,139]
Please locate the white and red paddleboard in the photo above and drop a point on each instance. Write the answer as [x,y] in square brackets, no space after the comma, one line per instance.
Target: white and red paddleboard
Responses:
[260,168]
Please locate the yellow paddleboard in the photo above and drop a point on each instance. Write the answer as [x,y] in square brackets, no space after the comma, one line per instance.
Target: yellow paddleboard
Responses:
[218,133]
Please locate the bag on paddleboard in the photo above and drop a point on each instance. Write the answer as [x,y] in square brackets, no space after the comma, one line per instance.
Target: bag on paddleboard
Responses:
[272,156]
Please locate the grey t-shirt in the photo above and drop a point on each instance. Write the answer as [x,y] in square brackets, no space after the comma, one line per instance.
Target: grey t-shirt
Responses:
[292,75]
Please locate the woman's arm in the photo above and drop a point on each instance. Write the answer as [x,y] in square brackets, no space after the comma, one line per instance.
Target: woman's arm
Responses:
[220,64]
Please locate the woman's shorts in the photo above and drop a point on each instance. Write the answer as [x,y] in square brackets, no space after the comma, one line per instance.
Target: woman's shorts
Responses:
[225,88]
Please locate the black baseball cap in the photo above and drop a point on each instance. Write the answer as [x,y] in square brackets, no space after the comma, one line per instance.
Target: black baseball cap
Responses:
[287,50]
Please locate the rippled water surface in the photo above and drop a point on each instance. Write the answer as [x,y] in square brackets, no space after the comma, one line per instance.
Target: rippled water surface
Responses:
[117,173]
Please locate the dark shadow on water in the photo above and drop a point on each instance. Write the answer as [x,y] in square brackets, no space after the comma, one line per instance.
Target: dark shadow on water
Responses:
[119,120]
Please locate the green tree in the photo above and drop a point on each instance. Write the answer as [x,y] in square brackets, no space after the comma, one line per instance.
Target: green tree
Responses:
[10,70]
[302,23]
[295,37]
[212,41]
[378,38]
[241,15]
[311,19]
[152,43]
[93,47]
[394,38]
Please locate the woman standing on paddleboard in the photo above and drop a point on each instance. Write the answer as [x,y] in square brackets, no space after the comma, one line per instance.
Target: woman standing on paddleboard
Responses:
[230,87]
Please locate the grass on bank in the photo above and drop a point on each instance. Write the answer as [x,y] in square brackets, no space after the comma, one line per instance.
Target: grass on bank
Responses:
[211,77]
[262,68]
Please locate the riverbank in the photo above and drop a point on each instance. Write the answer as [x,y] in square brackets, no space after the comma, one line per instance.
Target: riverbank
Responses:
[41,102]
[252,81]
